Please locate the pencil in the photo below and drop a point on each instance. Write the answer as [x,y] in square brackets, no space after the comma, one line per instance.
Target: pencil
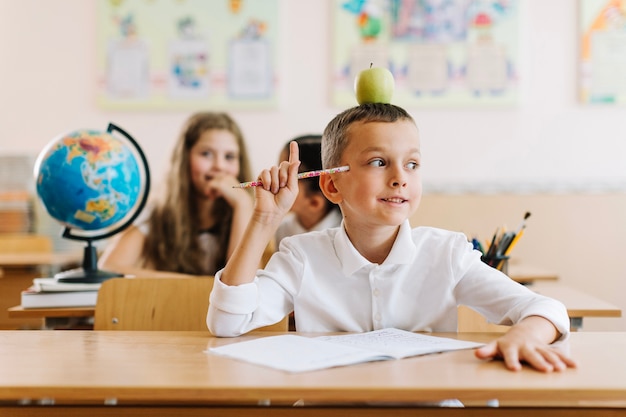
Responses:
[491,250]
[514,242]
[523,223]
[308,174]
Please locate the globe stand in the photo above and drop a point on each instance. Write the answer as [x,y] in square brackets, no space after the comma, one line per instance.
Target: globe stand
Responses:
[89,273]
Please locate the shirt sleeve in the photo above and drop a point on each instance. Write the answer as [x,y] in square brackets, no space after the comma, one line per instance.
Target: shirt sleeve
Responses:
[231,308]
[235,310]
[500,299]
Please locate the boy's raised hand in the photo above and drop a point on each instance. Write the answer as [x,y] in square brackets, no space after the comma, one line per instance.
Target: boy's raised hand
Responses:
[272,201]
[280,186]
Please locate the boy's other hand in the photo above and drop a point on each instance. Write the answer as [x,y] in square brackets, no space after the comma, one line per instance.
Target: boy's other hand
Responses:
[525,343]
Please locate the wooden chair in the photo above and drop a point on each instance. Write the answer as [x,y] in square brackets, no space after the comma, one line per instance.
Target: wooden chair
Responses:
[157,304]
[472,321]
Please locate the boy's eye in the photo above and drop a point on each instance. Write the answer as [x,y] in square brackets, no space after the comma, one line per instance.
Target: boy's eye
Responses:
[377,163]
[413,165]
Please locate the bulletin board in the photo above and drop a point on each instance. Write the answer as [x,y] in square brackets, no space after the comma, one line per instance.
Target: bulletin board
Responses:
[602,51]
[441,53]
[187,54]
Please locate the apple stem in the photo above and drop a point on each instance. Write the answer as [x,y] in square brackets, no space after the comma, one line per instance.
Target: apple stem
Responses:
[371,63]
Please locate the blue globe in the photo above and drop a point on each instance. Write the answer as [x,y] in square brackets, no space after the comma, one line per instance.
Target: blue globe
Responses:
[94,182]
[89,180]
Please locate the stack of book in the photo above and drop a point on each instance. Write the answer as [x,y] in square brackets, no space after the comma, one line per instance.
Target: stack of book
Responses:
[48,292]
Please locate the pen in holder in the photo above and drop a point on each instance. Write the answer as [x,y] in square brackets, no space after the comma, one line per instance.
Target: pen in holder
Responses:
[500,262]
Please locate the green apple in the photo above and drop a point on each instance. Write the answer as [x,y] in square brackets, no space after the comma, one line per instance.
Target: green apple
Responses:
[374,85]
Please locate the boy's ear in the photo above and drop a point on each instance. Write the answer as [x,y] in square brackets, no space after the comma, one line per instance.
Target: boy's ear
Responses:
[327,185]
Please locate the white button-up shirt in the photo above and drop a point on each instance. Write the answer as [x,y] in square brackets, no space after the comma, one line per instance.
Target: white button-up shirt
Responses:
[331,287]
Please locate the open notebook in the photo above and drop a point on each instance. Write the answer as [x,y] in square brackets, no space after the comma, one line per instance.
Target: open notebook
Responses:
[295,353]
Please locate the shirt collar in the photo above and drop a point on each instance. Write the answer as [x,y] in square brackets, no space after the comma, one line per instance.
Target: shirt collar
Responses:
[402,252]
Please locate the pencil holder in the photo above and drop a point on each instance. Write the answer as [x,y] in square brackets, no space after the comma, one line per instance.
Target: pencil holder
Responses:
[500,262]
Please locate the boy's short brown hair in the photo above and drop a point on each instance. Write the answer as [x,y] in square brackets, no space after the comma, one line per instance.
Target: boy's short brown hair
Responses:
[335,137]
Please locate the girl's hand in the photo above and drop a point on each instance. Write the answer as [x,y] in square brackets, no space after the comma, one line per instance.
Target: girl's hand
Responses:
[225,186]
[280,186]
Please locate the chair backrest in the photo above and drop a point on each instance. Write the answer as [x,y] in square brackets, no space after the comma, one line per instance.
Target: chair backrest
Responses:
[472,321]
[157,304]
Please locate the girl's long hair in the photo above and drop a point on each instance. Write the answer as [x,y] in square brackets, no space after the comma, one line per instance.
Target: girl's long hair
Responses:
[174,223]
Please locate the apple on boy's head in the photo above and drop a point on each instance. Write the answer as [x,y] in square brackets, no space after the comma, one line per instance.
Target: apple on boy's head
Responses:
[374,85]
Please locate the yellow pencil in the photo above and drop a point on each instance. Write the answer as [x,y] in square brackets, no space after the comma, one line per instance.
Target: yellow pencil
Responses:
[514,242]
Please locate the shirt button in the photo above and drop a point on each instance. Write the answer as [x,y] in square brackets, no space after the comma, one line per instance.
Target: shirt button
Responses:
[376,292]
[377,317]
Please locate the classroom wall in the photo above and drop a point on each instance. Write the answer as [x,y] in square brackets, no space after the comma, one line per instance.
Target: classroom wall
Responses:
[580,237]
[48,82]
[572,156]
[546,143]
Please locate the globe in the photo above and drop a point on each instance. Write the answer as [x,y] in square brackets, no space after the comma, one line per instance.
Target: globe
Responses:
[95,183]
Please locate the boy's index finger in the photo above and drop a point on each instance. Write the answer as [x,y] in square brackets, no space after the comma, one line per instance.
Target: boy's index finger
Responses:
[294,152]
[294,164]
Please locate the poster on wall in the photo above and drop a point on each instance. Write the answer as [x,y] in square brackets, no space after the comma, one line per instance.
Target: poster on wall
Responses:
[187,54]
[441,52]
[602,51]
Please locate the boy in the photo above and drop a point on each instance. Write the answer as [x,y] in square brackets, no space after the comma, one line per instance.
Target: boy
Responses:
[374,271]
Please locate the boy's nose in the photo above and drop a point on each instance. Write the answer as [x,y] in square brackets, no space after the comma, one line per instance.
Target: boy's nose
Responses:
[398,178]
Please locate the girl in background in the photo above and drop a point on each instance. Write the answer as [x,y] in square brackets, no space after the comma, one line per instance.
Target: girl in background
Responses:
[195,226]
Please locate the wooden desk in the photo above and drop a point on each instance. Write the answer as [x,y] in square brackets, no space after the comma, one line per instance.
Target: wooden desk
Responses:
[57,318]
[19,311]
[26,259]
[151,373]
[578,304]
[527,274]
[19,269]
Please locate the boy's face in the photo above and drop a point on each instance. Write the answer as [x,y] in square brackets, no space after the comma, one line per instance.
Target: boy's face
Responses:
[384,184]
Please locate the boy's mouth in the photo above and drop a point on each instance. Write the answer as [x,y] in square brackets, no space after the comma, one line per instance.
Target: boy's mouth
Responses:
[397,200]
